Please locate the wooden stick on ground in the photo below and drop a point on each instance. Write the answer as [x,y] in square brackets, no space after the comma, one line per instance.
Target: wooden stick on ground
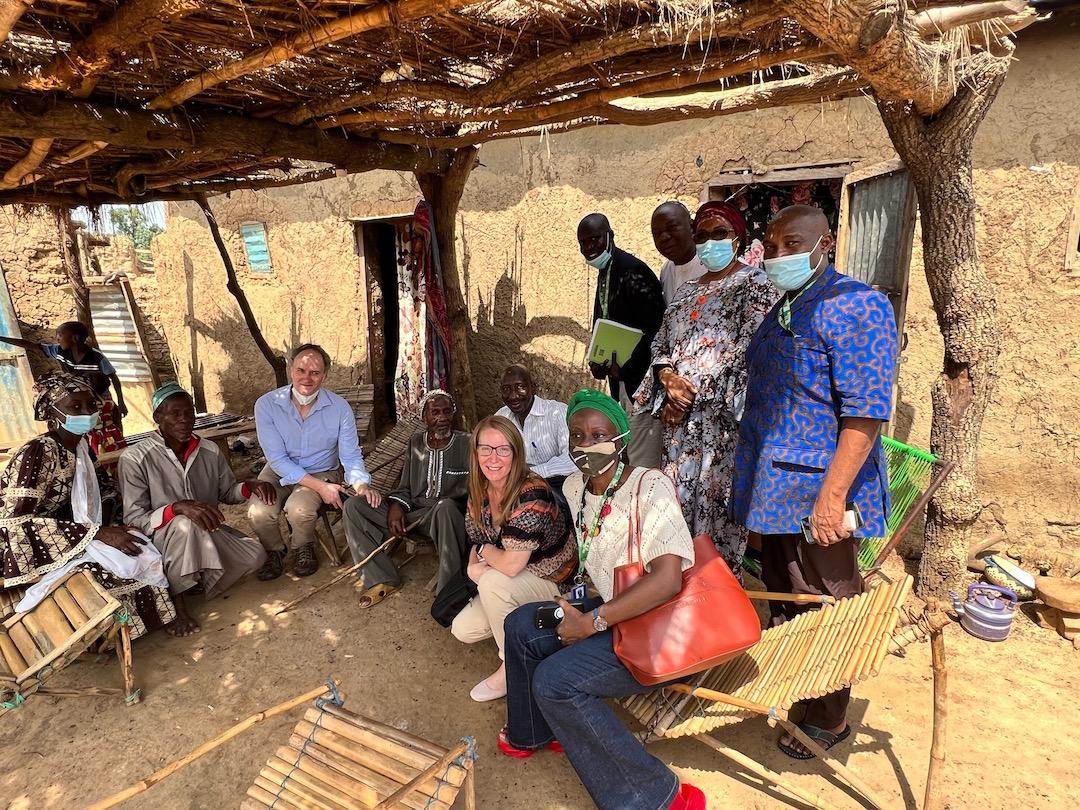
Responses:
[829,759]
[206,747]
[934,798]
[352,569]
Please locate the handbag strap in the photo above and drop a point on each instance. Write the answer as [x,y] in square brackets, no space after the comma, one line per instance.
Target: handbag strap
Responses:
[634,524]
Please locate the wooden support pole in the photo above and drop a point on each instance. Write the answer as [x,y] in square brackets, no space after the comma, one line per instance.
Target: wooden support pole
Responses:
[934,798]
[276,361]
[435,769]
[10,12]
[205,748]
[72,259]
[443,191]
[132,694]
[830,760]
[757,769]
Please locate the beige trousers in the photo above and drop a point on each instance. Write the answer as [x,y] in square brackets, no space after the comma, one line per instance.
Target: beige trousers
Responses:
[300,504]
[646,435]
[498,596]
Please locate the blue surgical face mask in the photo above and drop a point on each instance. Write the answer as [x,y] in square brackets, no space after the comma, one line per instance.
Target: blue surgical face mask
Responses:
[600,262]
[789,273]
[79,424]
[716,254]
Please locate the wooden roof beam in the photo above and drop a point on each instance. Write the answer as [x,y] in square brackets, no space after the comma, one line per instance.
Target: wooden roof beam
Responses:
[879,38]
[134,23]
[519,78]
[746,61]
[24,116]
[384,15]
[829,86]
[10,12]
[22,171]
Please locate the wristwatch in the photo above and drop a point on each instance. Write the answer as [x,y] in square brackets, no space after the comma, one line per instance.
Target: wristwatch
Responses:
[598,622]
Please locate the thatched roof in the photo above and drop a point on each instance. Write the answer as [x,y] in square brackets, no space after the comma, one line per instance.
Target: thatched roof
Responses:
[141,99]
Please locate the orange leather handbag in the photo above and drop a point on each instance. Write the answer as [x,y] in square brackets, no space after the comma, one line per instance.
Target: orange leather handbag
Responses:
[709,621]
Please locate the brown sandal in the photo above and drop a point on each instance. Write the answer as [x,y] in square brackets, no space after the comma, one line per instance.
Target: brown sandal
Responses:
[376,593]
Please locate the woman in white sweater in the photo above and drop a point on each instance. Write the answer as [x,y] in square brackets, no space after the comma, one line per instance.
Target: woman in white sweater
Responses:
[558,678]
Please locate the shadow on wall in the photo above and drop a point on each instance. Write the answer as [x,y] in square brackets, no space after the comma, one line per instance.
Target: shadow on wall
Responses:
[503,330]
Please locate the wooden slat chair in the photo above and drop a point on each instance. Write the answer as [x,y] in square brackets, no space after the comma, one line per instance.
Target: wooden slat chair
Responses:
[39,643]
[336,758]
[815,654]
[914,477]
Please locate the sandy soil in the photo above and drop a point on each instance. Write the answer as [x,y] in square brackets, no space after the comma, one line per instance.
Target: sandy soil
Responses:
[1012,737]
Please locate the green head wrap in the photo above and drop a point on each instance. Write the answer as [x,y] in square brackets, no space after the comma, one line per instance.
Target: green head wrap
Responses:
[591,399]
[167,390]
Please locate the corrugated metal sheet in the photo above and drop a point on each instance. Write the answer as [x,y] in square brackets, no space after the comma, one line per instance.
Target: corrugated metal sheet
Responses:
[878,231]
[116,333]
[258,252]
[16,383]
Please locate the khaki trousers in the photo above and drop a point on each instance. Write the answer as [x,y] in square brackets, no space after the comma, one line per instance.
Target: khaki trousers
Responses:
[646,435]
[498,596]
[300,504]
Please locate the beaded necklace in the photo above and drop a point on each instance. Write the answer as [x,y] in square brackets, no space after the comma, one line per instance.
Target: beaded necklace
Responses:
[585,535]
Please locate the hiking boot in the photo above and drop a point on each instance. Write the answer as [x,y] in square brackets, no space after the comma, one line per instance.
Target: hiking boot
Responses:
[274,565]
[306,562]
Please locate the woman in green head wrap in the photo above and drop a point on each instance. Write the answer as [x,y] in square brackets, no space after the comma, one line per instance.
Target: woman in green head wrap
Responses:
[557,677]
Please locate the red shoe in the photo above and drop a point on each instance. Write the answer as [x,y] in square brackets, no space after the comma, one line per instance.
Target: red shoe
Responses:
[525,753]
[688,798]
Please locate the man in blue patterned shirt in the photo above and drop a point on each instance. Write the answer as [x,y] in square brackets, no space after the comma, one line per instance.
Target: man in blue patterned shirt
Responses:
[821,370]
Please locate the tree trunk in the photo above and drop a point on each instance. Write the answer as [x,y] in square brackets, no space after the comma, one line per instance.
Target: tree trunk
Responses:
[443,192]
[937,152]
[276,361]
[72,261]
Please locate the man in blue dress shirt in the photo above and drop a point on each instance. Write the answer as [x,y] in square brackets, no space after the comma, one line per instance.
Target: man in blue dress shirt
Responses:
[308,435]
[821,369]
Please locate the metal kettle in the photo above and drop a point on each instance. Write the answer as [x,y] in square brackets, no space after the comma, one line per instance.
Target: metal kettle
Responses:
[984,614]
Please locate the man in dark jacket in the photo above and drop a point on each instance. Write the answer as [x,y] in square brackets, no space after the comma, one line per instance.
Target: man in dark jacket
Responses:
[629,293]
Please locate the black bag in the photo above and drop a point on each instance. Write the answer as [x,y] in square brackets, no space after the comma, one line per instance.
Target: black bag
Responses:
[452,599]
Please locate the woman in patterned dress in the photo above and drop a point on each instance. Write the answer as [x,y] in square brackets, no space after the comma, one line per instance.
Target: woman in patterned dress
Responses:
[699,375]
[38,530]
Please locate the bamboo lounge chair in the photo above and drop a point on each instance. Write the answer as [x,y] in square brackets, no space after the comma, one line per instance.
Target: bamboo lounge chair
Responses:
[41,642]
[336,758]
[914,477]
[815,654]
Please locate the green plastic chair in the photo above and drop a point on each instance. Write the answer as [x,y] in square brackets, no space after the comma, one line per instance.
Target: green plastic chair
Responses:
[911,472]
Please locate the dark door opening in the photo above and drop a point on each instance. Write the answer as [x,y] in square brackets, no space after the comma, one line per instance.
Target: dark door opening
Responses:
[380,243]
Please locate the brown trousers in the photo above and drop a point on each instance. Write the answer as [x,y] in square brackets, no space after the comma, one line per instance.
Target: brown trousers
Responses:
[791,565]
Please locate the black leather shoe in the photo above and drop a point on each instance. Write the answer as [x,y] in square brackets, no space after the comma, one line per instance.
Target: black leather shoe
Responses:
[273,567]
[306,561]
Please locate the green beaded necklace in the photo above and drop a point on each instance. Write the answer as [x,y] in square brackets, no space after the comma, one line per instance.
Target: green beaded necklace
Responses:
[586,535]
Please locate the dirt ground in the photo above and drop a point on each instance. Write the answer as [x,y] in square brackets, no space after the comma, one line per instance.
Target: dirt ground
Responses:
[1012,740]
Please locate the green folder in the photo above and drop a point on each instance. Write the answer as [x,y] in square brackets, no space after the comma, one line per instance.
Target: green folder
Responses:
[610,338]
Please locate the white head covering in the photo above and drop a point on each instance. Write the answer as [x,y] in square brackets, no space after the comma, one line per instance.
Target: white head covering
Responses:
[436,392]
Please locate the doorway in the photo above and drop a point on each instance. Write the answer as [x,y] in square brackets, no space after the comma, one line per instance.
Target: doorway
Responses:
[384,246]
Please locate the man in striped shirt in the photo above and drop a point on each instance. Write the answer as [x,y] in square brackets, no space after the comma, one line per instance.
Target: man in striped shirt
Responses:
[542,423]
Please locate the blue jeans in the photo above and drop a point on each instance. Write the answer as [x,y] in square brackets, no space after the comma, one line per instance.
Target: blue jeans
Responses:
[557,692]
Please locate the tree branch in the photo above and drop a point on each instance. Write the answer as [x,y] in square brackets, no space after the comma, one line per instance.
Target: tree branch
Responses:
[383,15]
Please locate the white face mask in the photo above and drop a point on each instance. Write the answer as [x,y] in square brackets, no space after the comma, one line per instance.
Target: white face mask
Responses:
[304,399]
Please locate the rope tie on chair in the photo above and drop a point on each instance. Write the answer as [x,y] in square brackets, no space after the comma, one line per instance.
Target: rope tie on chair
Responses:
[42,673]
[133,698]
[122,616]
[335,699]
[16,701]
[470,755]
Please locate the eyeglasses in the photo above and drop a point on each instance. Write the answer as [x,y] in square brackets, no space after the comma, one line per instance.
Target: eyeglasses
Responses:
[502,451]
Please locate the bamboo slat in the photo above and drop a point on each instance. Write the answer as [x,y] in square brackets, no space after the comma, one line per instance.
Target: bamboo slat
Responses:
[390,732]
[13,659]
[295,792]
[267,799]
[27,648]
[86,594]
[323,784]
[76,616]
[53,622]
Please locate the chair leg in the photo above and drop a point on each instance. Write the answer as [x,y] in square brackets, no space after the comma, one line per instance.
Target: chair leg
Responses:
[754,767]
[329,545]
[470,788]
[132,694]
[829,759]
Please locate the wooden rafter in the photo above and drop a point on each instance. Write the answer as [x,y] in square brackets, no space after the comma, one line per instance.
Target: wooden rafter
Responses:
[134,23]
[10,12]
[751,59]
[381,16]
[30,117]
[825,87]
[543,70]
[22,171]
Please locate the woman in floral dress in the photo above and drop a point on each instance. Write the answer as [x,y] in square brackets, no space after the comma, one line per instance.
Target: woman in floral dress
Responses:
[699,375]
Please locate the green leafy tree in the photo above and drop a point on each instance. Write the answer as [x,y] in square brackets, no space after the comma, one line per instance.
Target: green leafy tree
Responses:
[134,224]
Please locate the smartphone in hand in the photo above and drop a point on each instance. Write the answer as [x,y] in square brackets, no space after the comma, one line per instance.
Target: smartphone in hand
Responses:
[852,521]
[549,616]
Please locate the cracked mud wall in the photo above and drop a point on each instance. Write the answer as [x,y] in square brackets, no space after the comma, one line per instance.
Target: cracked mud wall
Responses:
[529,293]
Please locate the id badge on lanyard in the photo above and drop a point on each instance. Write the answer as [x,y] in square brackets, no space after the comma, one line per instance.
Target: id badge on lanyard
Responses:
[579,590]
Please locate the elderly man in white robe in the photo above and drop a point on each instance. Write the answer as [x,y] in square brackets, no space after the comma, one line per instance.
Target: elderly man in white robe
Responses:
[172,483]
